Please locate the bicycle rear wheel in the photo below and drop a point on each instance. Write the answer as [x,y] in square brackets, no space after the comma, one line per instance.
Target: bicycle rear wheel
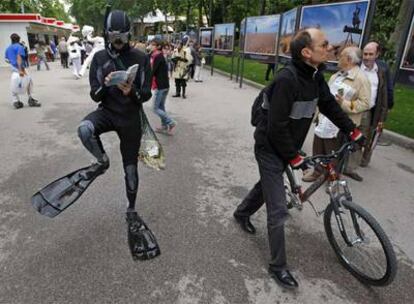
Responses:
[370,256]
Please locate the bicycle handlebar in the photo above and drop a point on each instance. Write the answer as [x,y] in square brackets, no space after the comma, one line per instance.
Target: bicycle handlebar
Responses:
[325,159]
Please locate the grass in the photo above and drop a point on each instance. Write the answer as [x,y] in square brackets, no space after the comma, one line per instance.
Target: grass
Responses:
[400,119]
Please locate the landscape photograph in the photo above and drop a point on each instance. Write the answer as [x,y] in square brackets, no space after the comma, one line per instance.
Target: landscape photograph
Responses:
[262,35]
[288,28]
[343,23]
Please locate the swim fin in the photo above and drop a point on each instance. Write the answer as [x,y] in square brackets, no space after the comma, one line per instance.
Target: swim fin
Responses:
[63,192]
[141,240]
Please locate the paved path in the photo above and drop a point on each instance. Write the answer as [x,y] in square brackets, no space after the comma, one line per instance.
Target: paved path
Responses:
[82,255]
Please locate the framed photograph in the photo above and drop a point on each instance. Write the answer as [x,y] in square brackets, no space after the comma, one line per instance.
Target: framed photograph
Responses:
[206,37]
[287,31]
[224,37]
[343,23]
[262,35]
[407,62]
[242,35]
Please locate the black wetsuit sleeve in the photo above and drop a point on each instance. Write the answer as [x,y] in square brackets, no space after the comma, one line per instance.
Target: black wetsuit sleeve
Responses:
[331,109]
[96,81]
[278,132]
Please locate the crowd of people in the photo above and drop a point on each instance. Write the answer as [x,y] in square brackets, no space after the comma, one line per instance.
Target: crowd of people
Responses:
[356,98]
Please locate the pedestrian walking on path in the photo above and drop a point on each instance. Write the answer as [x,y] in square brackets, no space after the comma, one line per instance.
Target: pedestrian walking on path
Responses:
[74,49]
[40,47]
[160,86]
[182,59]
[198,63]
[20,82]
[64,53]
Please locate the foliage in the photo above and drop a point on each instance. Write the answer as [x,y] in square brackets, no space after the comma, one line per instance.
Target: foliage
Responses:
[47,8]
[384,24]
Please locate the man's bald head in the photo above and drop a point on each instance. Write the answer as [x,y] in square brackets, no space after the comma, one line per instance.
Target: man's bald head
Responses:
[310,45]
[372,46]
[370,53]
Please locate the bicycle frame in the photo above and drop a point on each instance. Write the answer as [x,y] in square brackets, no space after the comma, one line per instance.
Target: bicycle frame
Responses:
[338,191]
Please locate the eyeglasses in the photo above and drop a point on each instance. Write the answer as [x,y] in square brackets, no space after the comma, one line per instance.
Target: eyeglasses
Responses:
[324,45]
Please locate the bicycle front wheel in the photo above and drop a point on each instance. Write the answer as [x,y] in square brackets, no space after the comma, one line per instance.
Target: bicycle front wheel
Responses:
[364,249]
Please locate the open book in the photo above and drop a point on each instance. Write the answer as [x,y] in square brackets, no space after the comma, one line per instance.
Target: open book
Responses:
[118,77]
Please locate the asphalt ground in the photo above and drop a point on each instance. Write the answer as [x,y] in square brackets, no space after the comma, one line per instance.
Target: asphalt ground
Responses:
[82,256]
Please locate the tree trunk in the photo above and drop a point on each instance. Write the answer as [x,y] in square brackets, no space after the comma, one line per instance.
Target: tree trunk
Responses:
[200,13]
[188,14]
[404,15]
[223,11]
[262,7]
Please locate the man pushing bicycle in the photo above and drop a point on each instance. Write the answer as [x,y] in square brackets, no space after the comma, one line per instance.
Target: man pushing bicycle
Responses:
[284,118]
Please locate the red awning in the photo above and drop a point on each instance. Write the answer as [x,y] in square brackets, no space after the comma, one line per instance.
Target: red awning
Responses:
[20,17]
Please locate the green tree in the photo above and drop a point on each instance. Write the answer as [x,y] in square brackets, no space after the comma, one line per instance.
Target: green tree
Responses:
[47,8]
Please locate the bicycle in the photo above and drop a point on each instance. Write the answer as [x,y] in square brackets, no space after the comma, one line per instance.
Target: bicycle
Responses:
[349,228]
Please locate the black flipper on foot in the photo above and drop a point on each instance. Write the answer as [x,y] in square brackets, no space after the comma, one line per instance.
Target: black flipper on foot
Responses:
[52,199]
[141,240]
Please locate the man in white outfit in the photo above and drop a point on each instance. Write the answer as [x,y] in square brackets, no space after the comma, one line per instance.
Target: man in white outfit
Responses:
[98,44]
[75,55]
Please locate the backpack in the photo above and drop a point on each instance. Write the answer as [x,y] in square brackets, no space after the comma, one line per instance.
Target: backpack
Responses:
[261,103]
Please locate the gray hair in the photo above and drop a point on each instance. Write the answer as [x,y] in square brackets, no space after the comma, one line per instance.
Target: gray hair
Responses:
[354,54]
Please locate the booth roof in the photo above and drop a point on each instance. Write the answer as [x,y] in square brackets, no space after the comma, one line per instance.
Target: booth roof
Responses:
[37,18]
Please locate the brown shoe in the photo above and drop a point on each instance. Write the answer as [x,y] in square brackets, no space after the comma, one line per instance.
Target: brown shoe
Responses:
[310,176]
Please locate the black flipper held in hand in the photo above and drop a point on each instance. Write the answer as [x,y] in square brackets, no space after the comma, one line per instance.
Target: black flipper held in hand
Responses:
[141,240]
[63,192]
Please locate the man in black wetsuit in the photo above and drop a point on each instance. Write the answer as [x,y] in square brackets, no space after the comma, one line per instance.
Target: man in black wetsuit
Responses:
[119,110]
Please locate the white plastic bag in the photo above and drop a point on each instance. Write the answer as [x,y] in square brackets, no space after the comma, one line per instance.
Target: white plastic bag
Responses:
[19,85]
[151,152]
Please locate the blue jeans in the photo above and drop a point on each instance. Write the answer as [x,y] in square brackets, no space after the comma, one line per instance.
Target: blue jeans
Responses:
[160,96]
[41,59]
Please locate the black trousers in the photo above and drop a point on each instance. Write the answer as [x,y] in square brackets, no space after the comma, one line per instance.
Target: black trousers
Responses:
[127,129]
[270,190]
[64,59]
[270,68]
[129,132]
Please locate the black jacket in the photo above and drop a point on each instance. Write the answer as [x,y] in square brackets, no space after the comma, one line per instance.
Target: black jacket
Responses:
[291,108]
[390,83]
[160,72]
[111,98]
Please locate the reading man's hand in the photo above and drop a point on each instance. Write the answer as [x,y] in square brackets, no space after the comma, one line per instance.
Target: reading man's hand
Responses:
[125,87]
[108,78]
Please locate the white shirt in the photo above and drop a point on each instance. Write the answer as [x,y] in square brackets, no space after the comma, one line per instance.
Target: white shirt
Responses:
[326,128]
[372,76]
